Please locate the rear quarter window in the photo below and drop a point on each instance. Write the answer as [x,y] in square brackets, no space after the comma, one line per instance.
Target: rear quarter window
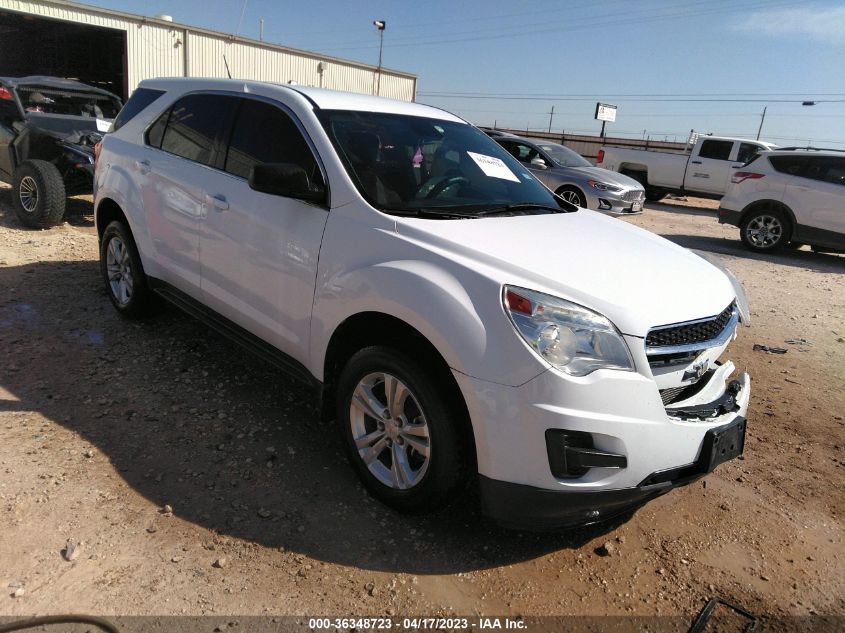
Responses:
[792,165]
[140,99]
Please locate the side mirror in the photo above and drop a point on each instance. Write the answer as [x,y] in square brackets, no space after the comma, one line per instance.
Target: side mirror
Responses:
[285,179]
[539,163]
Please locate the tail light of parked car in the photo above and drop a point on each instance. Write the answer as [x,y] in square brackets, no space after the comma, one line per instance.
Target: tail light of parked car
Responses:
[742,176]
[5,95]
[600,157]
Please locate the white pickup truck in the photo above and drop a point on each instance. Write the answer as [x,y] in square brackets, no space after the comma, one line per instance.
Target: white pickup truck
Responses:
[705,171]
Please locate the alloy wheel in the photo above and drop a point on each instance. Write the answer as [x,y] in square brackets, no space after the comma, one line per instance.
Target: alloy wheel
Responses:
[28,194]
[119,268]
[390,431]
[764,231]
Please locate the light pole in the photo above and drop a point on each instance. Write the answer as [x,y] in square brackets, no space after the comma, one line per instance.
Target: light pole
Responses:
[762,118]
[380,25]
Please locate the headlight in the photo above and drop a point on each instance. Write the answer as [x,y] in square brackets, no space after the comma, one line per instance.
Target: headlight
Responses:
[572,338]
[741,299]
[603,186]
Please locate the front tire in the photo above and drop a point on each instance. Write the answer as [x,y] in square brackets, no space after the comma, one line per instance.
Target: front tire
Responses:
[765,230]
[402,435]
[39,194]
[123,274]
[654,195]
[573,195]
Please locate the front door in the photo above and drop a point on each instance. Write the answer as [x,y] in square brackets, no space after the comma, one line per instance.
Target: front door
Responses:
[711,169]
[259,251]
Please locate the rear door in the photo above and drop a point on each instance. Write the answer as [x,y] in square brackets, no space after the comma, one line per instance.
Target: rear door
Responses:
[175,173]
[710,170]
[259,251]
[817,198]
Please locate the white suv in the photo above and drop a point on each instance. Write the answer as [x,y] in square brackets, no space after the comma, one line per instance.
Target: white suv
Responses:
[789,196]
[460,322]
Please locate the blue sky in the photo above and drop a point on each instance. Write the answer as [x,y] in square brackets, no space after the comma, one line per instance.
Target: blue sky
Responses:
[711,65]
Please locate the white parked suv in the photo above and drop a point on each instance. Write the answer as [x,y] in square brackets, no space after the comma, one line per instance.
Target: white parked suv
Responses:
[789,196]
[461,323]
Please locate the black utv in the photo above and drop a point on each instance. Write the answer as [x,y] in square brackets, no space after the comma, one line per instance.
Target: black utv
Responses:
[48,129]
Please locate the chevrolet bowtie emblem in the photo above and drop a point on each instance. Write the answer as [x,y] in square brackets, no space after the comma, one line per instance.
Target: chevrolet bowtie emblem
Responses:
[696,371]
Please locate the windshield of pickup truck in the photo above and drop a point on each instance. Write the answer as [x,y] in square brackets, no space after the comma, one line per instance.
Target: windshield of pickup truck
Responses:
[419,166]
[48,100]
[564,157]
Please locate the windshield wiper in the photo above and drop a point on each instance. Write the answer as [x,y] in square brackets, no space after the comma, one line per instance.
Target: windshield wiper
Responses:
[518,208]
[429,212]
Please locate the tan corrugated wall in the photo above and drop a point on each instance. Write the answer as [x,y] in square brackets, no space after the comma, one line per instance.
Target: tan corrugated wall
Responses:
[157,50]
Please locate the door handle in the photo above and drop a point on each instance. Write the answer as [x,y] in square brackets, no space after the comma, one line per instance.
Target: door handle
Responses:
[218,201]
[695,162]
[143,166]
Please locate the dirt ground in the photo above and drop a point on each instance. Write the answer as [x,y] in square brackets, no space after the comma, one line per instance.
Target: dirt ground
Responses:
[104,422]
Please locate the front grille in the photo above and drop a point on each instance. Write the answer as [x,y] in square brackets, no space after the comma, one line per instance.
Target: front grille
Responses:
[635,195]
[670,395]
[690,333]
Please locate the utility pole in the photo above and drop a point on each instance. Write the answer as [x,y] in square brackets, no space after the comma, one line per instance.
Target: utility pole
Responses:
[380,25]
[551,114]
[261,29]
[762,118]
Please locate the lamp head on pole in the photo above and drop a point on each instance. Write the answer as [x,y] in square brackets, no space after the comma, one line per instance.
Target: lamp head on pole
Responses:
[380,24]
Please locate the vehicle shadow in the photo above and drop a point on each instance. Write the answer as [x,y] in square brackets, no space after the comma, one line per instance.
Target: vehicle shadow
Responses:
[803,258]
[189,419]
[680,209]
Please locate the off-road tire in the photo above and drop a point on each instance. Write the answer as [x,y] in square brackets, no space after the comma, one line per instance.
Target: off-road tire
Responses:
[446,473]
[44,192]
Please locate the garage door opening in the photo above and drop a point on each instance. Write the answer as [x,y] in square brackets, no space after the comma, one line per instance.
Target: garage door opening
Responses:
[94,55]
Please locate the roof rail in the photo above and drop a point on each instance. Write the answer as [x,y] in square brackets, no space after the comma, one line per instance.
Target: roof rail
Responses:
[812,149]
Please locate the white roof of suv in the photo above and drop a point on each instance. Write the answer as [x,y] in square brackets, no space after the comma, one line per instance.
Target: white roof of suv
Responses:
[322,97]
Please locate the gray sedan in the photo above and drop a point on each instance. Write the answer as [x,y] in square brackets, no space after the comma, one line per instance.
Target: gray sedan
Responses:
[574,179]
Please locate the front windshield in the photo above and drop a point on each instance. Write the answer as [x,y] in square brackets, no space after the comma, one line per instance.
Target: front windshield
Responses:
[564,157]
[413,164]
[47,100]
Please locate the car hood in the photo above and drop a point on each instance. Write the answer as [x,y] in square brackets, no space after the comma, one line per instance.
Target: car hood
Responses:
[602,175]
[635,278]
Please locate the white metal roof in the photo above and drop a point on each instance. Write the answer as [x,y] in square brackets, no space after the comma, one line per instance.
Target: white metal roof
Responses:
[324,98]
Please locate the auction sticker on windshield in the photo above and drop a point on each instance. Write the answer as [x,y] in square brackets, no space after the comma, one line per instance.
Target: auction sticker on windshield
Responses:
[493,167]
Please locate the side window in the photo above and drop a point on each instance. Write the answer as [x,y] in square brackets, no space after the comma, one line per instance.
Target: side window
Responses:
[826,169]
[720,150]
[140,99]
[193,126]
[156,131]
[264,133]
[747,151]
[792,165]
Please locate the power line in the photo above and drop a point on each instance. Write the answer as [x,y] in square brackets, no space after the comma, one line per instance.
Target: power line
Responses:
[596,20]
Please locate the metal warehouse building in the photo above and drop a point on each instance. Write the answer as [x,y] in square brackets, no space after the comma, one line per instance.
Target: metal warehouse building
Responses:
[116,50]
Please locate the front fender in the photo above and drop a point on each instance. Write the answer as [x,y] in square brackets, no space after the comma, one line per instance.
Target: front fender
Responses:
[469,329]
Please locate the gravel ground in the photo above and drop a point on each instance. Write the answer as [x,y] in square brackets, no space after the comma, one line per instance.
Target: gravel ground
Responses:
[191,478]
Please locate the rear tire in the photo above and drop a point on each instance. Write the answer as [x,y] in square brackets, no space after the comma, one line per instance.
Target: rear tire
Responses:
[39,194]
[654,195]
[765,229]
[123,274]
[407,450]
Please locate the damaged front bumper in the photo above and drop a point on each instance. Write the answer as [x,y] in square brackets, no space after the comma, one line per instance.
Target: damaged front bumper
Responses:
[608,442]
